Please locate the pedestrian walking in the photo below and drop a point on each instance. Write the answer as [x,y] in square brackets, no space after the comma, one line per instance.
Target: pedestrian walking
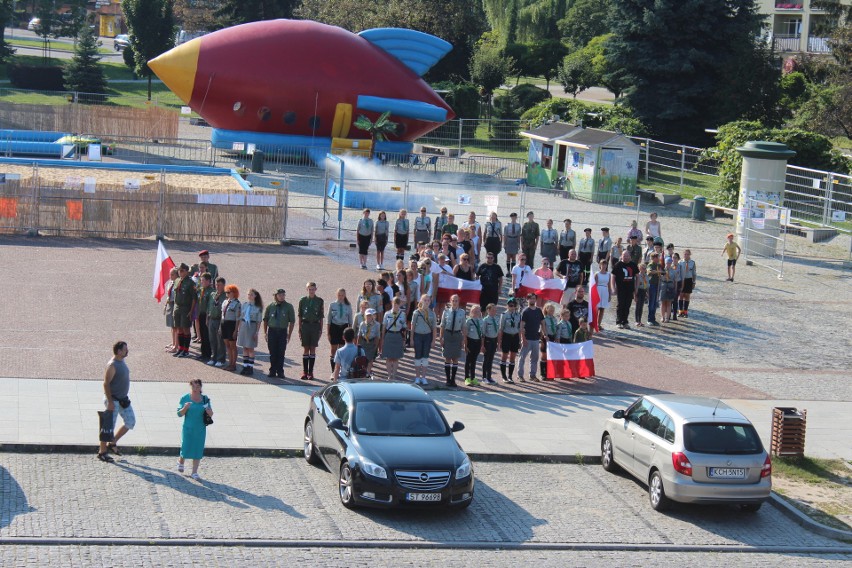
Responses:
[531,319]
[732,250]
[472,344]
[364,236]
[400,234]
[529,237]
[381,237]
[117,399]
[185,302]
[339,318]
[567,240]
[423,332]
[511,241]
[510,342]
[311,314]
[248,328]
[279,319]
[214,306]
[231,312]
[452,321]
[392,343]
[192,408]
[549,242]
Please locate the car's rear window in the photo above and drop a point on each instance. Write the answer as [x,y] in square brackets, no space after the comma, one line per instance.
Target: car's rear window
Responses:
[399,418]
[713,438]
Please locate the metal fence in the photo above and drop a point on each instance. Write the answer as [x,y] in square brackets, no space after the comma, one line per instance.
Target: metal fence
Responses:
[675,167]
[818,197]
[764,235]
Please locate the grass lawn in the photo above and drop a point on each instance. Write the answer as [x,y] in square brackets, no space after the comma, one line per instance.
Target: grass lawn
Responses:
[668,181]
[820,488]
[55,45]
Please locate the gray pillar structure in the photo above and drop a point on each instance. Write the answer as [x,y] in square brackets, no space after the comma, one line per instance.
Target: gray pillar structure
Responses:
[763,177]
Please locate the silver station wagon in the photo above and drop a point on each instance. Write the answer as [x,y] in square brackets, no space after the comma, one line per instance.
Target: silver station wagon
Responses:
[689,449]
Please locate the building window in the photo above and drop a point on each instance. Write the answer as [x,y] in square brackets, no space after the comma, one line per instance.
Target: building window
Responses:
[546,156]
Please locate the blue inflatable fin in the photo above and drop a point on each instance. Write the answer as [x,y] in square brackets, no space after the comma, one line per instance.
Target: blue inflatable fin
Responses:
[417,50]
[403,107]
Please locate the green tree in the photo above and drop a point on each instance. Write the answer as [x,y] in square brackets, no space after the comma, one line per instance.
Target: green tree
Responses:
[585,20]
[378,130]
[828,109]
[524,21]
[235,12]
[576,73]
[546,57]
[83,73]
[489,68]
[152,28]
[605,73]
[6,14]
[686,62]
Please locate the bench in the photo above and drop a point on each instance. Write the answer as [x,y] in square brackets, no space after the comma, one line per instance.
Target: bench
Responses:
[664,199]
[719,211]
[437,150]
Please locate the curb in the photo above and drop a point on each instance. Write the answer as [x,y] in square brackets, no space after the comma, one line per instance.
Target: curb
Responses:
[805,521]
[577,459]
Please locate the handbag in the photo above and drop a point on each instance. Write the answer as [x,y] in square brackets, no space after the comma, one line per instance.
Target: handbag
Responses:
[208,420]
[105,418]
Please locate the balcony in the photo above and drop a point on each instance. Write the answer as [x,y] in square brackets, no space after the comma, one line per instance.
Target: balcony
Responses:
[818,45]
[787,42]
[780,5]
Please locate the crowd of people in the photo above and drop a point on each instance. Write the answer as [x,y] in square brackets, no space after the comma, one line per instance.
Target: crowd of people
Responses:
[401,311]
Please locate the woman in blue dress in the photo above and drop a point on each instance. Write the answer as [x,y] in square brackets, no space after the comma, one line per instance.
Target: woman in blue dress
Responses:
[192,407]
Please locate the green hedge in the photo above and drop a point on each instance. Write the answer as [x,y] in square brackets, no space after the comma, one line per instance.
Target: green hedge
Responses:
[36,77]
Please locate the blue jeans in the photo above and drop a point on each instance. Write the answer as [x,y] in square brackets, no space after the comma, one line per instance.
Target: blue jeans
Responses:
[653,301]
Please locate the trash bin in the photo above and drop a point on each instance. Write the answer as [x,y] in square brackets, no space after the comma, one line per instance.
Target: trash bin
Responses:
[788,432]
[257,162]
[699,212]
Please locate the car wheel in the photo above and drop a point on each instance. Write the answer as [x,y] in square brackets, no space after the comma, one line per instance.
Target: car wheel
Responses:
[751,507]
[347,492]
[310,450]
[607,459]
[657,494]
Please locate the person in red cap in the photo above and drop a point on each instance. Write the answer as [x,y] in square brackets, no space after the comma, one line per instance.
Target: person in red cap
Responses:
[204,256]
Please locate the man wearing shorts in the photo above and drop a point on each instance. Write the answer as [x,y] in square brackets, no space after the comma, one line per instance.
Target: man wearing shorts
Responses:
[311,314]
[116,399]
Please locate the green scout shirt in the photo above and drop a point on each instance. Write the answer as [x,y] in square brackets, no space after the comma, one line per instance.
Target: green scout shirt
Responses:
[450,229]
[529,233]
[279,316]
[204,294]
[214,305]
[211,268]
[184,292]
[311,310]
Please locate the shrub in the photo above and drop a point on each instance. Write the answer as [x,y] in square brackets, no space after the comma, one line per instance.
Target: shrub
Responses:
[617,118]
[36,77]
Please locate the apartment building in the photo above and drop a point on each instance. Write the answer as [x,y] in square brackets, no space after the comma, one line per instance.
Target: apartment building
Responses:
[796,26]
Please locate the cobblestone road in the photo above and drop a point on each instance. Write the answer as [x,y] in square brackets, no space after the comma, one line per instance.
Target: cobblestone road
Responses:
[74,496]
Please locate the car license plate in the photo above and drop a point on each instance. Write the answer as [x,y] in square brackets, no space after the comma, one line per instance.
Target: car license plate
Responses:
[424,497]
[727,472]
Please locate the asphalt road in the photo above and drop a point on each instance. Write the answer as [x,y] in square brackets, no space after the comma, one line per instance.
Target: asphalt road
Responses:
[290,510]
[15,33]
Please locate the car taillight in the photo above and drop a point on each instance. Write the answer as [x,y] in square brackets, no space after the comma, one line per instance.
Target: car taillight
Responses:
[766,470]
[681,463]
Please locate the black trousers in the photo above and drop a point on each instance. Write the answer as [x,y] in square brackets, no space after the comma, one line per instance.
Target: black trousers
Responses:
[489,295]
[585,259]
[563,252]
[205,335]
[276,342]
[488,357]
[625,298]
[473,348]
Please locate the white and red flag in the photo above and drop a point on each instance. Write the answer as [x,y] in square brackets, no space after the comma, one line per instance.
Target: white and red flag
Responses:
[549,289]
[468,290]
[162,268]
[594,300]
[570,360]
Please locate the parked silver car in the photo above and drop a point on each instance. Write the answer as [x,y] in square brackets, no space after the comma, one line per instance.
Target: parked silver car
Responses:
[689,449]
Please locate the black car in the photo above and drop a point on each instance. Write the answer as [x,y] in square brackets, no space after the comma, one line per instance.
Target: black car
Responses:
[389,444]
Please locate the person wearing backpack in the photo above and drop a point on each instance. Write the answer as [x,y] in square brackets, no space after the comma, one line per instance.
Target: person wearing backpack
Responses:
[345,358]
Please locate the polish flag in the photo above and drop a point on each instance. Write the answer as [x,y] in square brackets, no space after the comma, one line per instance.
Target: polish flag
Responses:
[162,268]
[570,360]
[594,300]
[545,288]
[468,290]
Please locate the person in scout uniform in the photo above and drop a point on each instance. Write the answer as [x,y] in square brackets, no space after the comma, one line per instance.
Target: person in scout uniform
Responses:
[490,332]
[185,300]
[423,332]
[369,336]
[472,331]
[204,256]
[529,238]
[567,240]
[564,331]
[392,344]
[450,227]
[604,246]
[585,252]
[279,318]
[549,240]
[214,321]
[511,241]
[400,234]
[493,235]
[364,234]
[205,291]
[439,224]
[422,227]
[311,314]
[548,333]
[509,339]
[339,318]
[452,321]
[381,237]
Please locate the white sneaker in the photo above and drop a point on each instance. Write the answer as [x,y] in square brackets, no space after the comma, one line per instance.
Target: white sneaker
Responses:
[211,362]
[379,267]
[195,476]
[219,364]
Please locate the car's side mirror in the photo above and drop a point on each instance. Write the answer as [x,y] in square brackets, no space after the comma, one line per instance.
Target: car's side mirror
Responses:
[457,426]
[618,414]
[336,424]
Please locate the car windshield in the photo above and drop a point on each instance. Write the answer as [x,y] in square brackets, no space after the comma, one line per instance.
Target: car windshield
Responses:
[712,438]
[398,418]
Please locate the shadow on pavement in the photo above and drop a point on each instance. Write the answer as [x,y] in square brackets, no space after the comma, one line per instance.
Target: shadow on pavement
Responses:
[208,490]
[14,500]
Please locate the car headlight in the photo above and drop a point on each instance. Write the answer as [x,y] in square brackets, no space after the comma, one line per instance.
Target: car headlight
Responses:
[464,469]
[375,470]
